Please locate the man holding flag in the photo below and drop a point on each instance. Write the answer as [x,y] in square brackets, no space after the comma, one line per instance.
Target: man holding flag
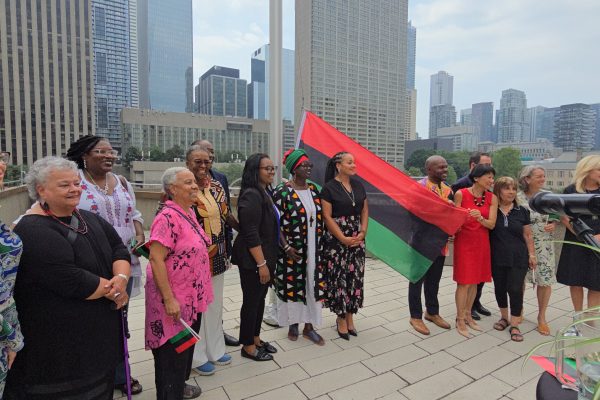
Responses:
[437,172]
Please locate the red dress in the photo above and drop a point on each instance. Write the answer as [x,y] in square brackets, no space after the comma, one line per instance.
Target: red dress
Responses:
[472,258]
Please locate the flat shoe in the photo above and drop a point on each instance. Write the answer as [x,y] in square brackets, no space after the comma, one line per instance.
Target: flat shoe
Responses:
[475,316]
[136,387]
[483,311]
[191,392]
[419,326]
[293,332]
[437,320]
[314,337]
[260,355]
[268,347]
[543,329]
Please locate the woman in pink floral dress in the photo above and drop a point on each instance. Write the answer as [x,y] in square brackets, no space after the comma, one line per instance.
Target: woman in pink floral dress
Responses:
[178,283]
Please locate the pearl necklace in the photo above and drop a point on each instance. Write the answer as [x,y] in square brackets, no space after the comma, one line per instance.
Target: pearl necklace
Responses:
[105,190]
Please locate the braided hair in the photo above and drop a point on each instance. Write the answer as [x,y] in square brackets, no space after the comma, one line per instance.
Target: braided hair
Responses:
[82,146]
[331,170]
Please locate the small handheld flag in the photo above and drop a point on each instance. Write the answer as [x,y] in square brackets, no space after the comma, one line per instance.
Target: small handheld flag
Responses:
[184,339]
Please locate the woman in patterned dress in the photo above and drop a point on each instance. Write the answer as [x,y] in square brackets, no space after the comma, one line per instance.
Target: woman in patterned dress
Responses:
[298,276]
[346,216]
[111,197]
[531,181]
[212,214]
[10,330]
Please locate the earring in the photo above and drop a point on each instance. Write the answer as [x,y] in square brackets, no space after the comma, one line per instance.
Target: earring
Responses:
[84,164]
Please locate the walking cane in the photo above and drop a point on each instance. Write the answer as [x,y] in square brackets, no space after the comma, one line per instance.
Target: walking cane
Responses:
[126,353]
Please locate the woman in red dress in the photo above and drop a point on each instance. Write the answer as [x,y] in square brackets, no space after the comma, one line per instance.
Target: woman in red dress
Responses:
[472,260]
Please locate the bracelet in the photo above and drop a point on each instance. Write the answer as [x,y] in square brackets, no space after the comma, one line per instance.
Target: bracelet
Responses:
[123,276]
[261,264]
[286,247]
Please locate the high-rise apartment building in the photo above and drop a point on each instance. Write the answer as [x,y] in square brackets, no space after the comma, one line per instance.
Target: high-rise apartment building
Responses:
[482,121]
[165,54]
[113,83]
[258,89]
[46,77]
[574,127]
[220,91]
[441,116]
[351,69]
[441,89]
[512,121]
[466,116]
[411,92]
[596,108]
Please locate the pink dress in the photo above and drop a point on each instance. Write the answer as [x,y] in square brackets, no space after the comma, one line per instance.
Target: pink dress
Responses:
[188,270]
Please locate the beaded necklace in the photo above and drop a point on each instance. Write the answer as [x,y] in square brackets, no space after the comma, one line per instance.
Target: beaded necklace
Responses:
[83,228]
[105,190]
[479,201]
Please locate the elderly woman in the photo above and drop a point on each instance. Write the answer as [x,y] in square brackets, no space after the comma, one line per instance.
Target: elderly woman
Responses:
[178,284]
[255,252]
[346,216]
[111,197]
[578,266]
[298,278]
[71,282]
[212,213]
[472,260]
[11,339]
[531,181]
[512,253]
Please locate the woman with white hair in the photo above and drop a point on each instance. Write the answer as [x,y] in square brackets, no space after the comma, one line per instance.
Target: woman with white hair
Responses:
[72,280]
[578,266]
[178,284]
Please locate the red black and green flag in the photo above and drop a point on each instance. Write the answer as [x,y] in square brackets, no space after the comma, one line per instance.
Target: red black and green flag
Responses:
[408,225]
[183,340]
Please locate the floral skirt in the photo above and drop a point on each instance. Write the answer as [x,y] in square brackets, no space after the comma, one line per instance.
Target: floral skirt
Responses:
[344,269]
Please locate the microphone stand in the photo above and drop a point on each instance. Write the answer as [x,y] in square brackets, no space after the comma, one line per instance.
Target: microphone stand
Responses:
[585,233]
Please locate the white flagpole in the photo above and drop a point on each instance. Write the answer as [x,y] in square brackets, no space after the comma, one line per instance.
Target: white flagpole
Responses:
[275,103]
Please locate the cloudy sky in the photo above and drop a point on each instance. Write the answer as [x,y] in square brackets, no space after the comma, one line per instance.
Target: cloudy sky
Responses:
[547,48]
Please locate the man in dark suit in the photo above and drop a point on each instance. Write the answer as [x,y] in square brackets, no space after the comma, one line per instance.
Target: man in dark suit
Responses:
[222,179]
[466,182]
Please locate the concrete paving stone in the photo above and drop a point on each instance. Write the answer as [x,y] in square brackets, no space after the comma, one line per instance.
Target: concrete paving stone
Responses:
[437,386]
[236,373]
[395,358]
[530,340]
[389,343]
[488,387]
[264,383]
[525,391]
[339,359]
[372,388]
[487,362]
[214,394]
[289,392]
[310,351]
[363,323]
[374,310]
[364,336]
[333,380]
[442,341]
[400,325]
[515,374]
[394,396]
[394,315]
[425,367]
[470,348]
[379,298]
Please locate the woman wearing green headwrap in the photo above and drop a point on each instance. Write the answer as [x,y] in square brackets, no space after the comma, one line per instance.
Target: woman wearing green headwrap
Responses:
[298,278]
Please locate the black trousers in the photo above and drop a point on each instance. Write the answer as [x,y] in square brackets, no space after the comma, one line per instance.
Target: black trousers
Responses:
[172,369]
[253,305]
[508,281]
[431,283]
[477,301]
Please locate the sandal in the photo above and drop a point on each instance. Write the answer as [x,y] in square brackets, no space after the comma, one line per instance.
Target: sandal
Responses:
[515,336]
[136,387]
[501,325]
[543,329]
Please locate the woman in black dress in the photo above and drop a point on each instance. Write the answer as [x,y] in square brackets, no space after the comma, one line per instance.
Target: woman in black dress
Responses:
[346,215]
[578,266]
[512,248]
[255,252]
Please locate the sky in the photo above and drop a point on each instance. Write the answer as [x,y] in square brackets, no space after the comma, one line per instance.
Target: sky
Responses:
[547,48]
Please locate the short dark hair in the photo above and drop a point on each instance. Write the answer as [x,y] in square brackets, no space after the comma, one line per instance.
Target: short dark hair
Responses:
[481,170]
[476,157]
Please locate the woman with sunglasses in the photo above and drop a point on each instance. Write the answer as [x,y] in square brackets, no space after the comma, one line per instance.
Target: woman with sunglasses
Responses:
[298,278]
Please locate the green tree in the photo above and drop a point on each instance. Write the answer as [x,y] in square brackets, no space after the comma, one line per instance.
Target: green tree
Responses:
[451,175]
[417,159]
[132,154]
[173,153]
[459,160]
[507,162]
[232,171]
[414,171]
[156,154]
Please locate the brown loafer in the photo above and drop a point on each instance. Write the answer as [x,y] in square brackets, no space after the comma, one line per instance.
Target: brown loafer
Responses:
[439,321]
[419,326]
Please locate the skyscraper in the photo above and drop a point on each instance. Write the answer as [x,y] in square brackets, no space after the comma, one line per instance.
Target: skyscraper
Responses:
[574,127]
[165,54]
[466,116]
[258,89]
[513,124]
[46,77]
[113,86]
[411,92]
[220,91]
[441,116]
[351,69]
[482,120]
[441,89]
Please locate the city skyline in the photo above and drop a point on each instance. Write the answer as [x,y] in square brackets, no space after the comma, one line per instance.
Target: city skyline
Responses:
[555,65]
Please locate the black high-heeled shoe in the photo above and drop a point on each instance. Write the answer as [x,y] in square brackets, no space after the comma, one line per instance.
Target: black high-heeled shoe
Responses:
[353,332]
[344,336]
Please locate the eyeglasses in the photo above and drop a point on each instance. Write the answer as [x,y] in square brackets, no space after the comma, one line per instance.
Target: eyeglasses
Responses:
[205,162]
[104,152]
[269,168]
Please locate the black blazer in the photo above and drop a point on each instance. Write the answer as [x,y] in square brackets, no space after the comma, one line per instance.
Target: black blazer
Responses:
[258,227]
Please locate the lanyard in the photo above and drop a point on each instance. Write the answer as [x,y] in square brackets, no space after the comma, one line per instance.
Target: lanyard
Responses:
[190,222]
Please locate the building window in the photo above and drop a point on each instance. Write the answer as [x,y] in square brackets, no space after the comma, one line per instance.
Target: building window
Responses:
[102,107]
[101,68]
[99,22]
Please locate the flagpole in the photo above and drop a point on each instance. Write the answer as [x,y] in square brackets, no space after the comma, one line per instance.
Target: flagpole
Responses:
[275,112]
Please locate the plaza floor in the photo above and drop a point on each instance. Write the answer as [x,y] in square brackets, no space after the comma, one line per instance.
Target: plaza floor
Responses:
[387,360]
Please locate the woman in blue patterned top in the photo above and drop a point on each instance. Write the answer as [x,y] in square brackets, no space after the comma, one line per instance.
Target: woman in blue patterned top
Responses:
[11,339]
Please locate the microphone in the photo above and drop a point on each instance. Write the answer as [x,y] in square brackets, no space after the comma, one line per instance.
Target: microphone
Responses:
[566,204]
